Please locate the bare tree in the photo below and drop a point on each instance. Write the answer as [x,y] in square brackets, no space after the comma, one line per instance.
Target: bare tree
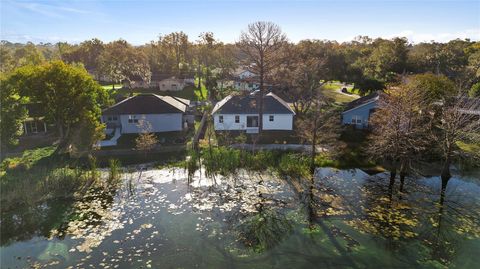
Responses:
[319,125]
[398,130]
[147,140]
[459,122]
[261,43]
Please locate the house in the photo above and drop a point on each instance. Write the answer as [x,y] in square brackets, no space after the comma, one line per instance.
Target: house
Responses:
[163,113]
[35,123]
[241,73]
[241,113]
[247,84]
[171,84]
[358,112]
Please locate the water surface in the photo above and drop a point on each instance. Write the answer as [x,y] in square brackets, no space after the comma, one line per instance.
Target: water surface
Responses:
[154,219]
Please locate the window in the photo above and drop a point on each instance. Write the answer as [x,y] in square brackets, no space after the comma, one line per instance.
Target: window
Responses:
[220,119]
[33,127]
[114,118]
[132,119]
[109,118]
[271,118]
[356,120]
[237,119]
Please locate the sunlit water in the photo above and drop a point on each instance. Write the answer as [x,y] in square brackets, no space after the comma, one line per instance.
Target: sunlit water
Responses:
[156,220]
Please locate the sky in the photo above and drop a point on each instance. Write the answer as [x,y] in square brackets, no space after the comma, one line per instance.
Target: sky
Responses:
[142,21]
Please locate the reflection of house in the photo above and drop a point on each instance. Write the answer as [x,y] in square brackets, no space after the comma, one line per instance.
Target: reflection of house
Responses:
[358,112]
[35,123]
[242,113]
[163,113]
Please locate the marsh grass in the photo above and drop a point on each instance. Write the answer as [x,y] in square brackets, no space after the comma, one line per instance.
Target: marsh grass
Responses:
[39,175]
[227,162]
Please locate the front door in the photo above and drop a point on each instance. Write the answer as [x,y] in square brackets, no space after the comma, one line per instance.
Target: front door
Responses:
[252,121]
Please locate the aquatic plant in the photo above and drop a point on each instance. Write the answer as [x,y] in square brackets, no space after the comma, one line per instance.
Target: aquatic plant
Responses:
[264,230]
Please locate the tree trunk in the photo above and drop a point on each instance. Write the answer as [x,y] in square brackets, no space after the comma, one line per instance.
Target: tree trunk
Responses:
[312,156]
[393,174]
[446,169]
[403,173]
[262,74]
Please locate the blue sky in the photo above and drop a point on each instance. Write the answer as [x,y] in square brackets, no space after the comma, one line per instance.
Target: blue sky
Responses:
[142,21]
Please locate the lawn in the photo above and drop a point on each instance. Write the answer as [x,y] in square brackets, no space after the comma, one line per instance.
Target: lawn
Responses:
[189,92]
[330,90]
[110,86]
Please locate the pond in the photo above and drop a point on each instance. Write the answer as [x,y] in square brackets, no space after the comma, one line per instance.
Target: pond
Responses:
[154,219]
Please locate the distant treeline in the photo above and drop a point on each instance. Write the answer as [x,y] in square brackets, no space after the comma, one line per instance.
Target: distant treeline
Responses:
[368,63]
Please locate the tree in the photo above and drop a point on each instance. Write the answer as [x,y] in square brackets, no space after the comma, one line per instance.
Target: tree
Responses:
[6,59]
[12,114]
[71,98]
[28,54]
[319,125]
[122,62]
[456,124]
[301,74]
[206,46]
[398,135]
[260,43]
[146,140]
[88,53]
[176,47]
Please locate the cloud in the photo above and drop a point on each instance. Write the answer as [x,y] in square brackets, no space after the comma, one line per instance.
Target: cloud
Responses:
[23,38]
[414,37]
[51,10]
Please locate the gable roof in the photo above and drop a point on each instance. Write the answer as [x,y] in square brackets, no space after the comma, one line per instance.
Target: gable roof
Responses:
[148,104]
[362,101]
[235,104]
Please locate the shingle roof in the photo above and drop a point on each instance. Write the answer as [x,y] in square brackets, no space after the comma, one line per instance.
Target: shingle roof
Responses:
[148,104]
[272,104]
[361,101]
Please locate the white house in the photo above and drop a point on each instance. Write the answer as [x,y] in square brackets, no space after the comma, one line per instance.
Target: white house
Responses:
[163,113]
[241,113]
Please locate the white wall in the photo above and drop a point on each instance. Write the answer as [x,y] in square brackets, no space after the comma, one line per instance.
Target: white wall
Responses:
[281,122]
[159,122]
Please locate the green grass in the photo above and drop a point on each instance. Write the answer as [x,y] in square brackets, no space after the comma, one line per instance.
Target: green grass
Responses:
[110,86]
[28,159]
[189,92]
[330,90]
[202,92]
[338,97]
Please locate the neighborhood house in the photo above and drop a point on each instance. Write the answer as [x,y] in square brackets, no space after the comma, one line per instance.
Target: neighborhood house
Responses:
[241,113]
[358,112]
[35,123]
[163,113]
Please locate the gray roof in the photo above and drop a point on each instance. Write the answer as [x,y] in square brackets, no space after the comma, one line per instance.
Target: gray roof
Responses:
[235,104]
[148,104]
[362,101]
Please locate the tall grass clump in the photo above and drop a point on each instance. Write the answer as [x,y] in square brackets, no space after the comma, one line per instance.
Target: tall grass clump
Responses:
[192,164]
[294,165]
[114,172]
